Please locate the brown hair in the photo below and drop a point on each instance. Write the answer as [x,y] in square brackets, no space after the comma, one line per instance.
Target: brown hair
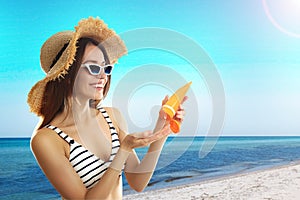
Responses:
[58,91]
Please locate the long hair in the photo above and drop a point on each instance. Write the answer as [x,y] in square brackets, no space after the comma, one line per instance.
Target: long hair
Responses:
[57,92]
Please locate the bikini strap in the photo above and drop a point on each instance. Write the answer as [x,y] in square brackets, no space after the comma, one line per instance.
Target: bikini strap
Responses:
[114,135]
[64,136]
[107,118]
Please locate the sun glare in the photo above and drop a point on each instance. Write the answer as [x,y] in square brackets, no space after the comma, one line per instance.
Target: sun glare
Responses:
[284,15]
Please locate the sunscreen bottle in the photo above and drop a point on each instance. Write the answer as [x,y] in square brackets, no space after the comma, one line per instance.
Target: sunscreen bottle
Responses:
[171,106]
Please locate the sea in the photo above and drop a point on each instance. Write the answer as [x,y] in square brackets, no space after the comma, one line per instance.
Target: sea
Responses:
[183,160]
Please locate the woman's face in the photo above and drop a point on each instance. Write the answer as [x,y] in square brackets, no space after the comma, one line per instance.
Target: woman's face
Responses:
[88,86]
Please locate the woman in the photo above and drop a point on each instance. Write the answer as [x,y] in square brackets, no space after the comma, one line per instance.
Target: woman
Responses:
[81,146]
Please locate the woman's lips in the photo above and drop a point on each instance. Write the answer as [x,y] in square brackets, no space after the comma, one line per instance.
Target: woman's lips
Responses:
[98,86]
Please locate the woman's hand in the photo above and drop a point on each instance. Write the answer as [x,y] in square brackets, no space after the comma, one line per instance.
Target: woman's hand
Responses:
[179,115]
[142,139]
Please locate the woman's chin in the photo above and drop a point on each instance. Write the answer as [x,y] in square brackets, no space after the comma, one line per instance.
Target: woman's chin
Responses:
[98,97]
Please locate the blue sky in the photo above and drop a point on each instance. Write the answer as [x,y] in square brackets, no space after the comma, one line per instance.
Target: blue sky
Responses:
[254,45]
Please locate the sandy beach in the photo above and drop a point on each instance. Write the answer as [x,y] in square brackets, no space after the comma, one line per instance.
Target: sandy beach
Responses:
[275,183]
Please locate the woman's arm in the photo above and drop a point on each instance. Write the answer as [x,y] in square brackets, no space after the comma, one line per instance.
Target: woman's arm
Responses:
[51,153]
[138,174]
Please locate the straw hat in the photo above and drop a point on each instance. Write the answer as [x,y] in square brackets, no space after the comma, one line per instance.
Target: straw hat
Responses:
[93,28]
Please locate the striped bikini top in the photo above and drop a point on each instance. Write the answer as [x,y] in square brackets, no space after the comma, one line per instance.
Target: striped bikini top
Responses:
[88,166]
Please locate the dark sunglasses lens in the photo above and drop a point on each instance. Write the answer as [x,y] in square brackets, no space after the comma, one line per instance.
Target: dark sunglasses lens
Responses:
[95,69]
[108,69]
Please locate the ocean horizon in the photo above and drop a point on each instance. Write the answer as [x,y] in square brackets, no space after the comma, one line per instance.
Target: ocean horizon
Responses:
[180,162]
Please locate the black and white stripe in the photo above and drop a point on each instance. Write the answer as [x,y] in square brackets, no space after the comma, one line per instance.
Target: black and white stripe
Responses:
[88,166]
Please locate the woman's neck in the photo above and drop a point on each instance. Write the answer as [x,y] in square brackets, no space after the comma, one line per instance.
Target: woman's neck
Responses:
[77,112]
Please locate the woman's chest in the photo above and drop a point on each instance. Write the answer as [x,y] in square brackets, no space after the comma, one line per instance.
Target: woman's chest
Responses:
[96,138]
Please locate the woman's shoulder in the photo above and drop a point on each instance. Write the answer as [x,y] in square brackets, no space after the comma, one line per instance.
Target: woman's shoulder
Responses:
[45,137]
[43,133]
[112,111]
[115,114]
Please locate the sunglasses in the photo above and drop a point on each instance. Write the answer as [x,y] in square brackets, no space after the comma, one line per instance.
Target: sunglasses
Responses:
[95,69]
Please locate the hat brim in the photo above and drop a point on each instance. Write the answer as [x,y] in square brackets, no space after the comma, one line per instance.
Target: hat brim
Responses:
[91,27]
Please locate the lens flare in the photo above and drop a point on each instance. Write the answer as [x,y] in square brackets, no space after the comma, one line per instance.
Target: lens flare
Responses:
[284,15]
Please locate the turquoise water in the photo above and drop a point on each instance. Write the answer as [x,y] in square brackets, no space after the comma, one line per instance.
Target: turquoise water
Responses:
[21,177]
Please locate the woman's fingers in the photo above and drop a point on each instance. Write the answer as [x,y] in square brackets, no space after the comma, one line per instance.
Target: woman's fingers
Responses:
[184,99]
[142,134]
[179,115]
[158,135]
[162,114]
[164,101]
[145,138]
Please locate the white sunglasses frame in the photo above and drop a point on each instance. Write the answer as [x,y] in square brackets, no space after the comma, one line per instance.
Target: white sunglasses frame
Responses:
[87,65]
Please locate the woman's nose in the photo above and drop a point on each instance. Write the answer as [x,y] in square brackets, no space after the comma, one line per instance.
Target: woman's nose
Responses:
[102,74]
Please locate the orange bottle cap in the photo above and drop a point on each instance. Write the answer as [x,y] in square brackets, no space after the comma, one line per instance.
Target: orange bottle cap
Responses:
[169,110]
[175,126]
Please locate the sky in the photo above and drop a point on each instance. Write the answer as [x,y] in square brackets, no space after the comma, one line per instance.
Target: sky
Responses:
[251,85]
